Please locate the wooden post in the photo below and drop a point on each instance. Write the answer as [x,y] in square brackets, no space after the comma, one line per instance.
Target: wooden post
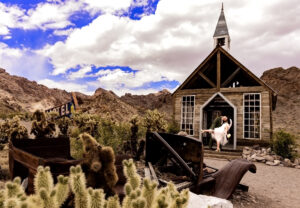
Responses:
[218,71]
[75,101]
[200,177]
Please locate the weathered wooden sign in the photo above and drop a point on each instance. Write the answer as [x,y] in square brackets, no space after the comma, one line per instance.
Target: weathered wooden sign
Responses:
[66,109]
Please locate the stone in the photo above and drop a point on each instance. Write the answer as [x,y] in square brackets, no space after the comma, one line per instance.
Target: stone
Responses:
[269,158]
[277,157]
[270,163]
[287,163]
[298,166]
[203,201]
[256,147]
[260,159]
[247,151]
[297,161]
[253,156]
[276,162]
[269,150]
[182,133]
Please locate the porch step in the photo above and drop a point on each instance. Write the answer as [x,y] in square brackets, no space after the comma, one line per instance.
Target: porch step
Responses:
[230,155]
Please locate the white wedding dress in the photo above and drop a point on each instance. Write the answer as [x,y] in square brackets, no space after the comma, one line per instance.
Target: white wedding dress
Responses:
[219,134]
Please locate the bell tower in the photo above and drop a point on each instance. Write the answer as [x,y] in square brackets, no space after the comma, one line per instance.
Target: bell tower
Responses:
[221,35]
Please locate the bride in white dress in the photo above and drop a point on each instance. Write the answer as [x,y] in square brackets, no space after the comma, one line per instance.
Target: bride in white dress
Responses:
[220,133]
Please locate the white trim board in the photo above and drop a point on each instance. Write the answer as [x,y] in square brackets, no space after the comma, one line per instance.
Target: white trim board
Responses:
[234,116]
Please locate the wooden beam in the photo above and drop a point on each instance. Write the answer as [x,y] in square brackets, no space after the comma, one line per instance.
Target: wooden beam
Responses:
[230,77]
[147,173]
[75,101]
[207,80]
[153,174]
[218,70]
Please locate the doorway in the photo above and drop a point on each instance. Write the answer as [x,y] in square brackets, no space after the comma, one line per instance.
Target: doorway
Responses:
[216,106]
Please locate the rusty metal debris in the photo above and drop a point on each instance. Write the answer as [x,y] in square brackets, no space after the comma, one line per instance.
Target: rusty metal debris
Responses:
[183,157]
[168,157]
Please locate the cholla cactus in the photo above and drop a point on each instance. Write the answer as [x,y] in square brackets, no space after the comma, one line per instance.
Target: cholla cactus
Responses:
[86,123]
[154,121]
[134,134]
[64,125]
[78,187]
[12,129]
[137,194]
[46,194]
[40,126]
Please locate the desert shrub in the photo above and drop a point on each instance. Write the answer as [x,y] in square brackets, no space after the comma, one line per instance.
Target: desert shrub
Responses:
[154,121]
[4,131]
[284,144]
[74,132]
[24,116]
[41,127]
[86,123]
[173,127]
[111,133]
[64,125]
[12,129]
[52,116]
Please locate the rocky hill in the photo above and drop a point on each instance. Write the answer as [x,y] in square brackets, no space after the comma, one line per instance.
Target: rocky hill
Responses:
[20,94]
[286,82]
[161,100]
[103,102]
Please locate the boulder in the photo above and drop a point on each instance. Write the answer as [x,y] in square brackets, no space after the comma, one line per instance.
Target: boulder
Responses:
[276,162]
[203,201]
[269,158]
[298,167]
[287,163]
[247,151]
[270,163]
[297,161]
[277,157]
[256,147]
[260,159]
[269,150]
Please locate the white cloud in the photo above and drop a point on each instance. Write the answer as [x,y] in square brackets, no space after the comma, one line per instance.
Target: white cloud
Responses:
[53,14]
[107,6]
[23,62]
[81,73]
[68,86]
[167,45]
[114,79]
[178,37]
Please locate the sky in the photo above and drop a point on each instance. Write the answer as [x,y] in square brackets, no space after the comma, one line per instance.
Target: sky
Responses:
[139,46]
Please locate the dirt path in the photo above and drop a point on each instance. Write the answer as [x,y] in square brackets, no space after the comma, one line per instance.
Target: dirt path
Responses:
[272,187]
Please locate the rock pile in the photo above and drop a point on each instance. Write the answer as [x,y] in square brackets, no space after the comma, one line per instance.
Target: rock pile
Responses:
[267,156]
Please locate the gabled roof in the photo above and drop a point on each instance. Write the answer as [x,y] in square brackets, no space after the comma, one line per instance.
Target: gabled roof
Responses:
[225,53]
[221,28]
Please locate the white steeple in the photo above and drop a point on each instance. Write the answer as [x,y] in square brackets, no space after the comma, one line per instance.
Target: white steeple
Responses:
[221,35]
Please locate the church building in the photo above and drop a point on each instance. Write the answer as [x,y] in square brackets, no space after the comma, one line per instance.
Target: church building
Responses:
[221,85]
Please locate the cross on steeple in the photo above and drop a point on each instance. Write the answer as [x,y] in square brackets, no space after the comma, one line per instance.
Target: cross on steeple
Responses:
[221,35]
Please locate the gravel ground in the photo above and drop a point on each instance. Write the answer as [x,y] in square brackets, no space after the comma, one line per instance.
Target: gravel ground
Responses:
[272,187]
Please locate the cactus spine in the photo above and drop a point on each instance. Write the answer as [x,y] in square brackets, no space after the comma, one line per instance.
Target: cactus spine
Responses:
[137,194]
[78,186]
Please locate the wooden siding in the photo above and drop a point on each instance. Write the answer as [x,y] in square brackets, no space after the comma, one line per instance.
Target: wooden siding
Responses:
[235,96]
